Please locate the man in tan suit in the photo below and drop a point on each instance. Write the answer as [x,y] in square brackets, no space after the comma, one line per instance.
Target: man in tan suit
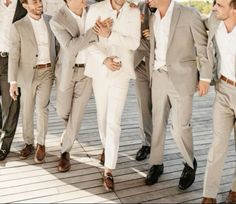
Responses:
[73,87]
[143,89]
[222,55]
[31,60]
[178,37]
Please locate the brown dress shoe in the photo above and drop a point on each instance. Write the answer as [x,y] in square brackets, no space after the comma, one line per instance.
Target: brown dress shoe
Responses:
[64,162]
[39,154]
[231,198]
[102,157]
[108,182]
[27,150]
[208,200]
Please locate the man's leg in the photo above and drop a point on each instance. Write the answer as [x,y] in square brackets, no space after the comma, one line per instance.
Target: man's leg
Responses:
[223,123]
[143,91]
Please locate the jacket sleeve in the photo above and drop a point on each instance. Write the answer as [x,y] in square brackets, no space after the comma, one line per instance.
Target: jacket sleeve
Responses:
[200,39]
[14,54]
[72,44]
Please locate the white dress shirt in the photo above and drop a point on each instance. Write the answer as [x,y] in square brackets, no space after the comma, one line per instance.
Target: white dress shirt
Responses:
[161,32]
[6,17]
[42,39]
[226,43]
[81,57]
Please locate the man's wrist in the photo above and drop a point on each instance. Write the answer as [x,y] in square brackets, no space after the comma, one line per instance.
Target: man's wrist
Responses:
[13,83]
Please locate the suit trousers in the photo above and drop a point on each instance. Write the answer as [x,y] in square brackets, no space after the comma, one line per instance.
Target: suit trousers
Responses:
[223,122]
[36,95]
[144,98]
[166,98]
[10,109]
[71,105]
[110,95]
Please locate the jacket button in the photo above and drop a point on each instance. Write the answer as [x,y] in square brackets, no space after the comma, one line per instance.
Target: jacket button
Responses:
[36,55]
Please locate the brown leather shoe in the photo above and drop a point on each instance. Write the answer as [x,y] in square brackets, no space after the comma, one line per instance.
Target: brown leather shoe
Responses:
[108,182]
[64,162]
[231,198]
[102,157]
[39,154]
[208,200]
[27,150]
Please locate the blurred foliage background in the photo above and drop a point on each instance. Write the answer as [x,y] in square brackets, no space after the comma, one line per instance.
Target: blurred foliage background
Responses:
[203,7]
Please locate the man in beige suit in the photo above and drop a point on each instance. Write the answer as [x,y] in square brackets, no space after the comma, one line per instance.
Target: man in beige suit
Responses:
[178,37]
[222,55]
[73,87]
[143,89]
[31,60]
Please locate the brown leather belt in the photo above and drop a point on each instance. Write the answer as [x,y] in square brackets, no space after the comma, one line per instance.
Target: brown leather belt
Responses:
[79,66]
[42,66]
[4,54]
[228,81]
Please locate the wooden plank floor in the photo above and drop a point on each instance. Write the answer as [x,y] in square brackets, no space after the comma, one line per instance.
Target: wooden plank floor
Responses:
[26,182]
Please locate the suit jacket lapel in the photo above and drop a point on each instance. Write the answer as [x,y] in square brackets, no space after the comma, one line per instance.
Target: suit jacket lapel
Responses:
[213,26]
[174,21]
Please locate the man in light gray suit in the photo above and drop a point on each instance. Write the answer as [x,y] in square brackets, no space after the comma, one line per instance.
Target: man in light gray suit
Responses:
[143,89]
[73,87]
[177,38]
[31,63]
[222,56]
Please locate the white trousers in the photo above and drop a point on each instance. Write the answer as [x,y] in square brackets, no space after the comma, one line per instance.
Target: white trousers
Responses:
[110,95]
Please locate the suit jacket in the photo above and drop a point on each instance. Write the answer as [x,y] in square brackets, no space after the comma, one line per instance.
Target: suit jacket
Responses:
[122,42]
[24,51]
[67,32]
[212,49]
[187,42]
[20,12]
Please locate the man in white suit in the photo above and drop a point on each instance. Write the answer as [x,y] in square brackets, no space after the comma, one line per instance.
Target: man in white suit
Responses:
[31,65]
[177,37]
[111,66]
[73,87]
[222,55]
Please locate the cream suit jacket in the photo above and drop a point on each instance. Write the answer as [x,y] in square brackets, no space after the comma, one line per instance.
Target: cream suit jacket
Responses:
[122,42]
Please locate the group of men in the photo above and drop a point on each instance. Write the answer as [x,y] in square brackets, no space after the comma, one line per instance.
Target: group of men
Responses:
[100,48]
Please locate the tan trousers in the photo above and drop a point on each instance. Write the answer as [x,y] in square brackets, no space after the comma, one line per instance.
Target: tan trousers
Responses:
[36,95]
[71,105]
[223,122]
[166,98]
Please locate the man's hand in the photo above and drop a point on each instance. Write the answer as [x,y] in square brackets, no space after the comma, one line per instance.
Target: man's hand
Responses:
[112,64]
[203,87]
[146,33]
[103,28]
[14,91]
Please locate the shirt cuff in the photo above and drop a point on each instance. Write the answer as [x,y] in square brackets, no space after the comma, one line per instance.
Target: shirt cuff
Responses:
[204,79]
[13,82]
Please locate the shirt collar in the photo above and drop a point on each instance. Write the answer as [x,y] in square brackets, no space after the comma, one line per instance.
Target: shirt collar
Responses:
[35,21]
[169,10]
[122,8]
[76,16]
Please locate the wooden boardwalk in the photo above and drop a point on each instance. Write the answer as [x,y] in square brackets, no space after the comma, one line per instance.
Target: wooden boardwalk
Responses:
[26,182]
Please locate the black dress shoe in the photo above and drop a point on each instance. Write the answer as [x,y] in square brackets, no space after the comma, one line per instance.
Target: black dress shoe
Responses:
[3,154]
[142,153]
[154,173]
[188,176]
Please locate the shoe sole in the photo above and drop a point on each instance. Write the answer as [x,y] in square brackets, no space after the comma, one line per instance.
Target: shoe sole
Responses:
[143,158]
[63,170]
[39,161]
